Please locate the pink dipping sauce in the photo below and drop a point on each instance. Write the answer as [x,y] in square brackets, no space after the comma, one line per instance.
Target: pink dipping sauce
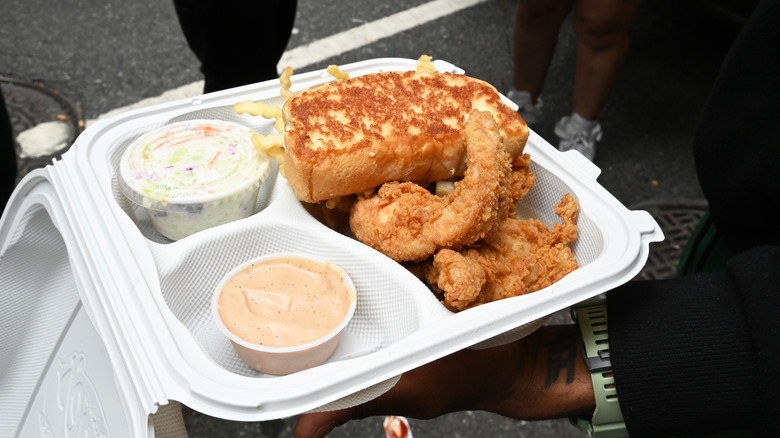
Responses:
[285,302]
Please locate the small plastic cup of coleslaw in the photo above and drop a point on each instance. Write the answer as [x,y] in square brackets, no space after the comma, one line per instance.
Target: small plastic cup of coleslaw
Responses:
[194,175]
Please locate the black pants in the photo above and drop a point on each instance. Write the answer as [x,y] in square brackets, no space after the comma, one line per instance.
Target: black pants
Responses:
[8,167]
[238,42]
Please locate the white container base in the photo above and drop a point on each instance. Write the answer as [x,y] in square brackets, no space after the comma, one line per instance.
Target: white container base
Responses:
[98,307]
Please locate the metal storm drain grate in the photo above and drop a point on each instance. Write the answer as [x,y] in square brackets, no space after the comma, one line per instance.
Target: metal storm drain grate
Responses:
[677,223]
[32,104]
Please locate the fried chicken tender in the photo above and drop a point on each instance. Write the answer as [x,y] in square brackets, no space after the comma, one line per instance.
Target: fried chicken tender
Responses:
[521,181]
[521,257]
[407,222]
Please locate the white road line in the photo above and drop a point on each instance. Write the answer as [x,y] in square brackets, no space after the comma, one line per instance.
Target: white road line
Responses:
[368,33]
[297,58]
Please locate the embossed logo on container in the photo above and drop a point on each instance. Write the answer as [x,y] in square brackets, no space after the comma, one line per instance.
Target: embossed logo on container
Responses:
[75,402]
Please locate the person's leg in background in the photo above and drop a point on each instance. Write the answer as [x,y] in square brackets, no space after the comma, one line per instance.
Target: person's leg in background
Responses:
[8,165]
[602,44]
[238,42]
[537,23]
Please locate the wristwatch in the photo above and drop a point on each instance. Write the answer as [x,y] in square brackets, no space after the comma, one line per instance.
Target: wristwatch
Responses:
[607,420]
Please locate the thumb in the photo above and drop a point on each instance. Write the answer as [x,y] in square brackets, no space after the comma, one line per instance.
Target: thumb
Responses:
[319,424]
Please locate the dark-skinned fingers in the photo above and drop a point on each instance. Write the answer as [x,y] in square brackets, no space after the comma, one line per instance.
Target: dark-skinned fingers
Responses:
[319,424]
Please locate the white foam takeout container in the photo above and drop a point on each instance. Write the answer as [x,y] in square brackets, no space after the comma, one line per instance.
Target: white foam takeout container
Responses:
[105,318]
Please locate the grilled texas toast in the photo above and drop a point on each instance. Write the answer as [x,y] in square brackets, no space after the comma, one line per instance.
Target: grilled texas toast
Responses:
[352,135]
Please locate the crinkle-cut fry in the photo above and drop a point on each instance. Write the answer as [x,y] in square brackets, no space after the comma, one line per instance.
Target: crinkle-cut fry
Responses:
[262,109]
[284,79]
[334,71]
[271,145]
[425,64]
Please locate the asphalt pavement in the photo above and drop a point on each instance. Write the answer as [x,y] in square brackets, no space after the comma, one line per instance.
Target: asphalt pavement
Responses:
[99,55]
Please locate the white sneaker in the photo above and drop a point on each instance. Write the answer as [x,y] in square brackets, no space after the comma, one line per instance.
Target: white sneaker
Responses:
[579,134]
[529,111]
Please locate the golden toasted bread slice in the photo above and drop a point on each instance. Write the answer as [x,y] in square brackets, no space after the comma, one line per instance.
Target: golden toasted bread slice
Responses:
[352,135]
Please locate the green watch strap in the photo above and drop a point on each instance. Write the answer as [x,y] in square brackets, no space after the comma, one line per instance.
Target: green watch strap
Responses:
[607,420]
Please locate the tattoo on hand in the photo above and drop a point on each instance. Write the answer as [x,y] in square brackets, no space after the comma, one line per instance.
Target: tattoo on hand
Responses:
[562,355]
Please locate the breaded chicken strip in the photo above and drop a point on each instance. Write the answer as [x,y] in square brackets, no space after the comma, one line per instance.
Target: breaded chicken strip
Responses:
[522,256]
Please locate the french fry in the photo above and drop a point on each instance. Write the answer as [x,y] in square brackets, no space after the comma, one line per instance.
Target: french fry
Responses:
[336,73]
[271,145]
[286,83]
[425,65]
[261,109]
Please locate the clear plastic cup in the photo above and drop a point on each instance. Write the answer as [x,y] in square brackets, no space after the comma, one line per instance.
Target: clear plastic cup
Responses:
[194,175]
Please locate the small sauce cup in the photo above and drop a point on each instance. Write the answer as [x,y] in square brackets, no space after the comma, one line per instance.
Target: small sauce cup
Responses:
[284,313]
